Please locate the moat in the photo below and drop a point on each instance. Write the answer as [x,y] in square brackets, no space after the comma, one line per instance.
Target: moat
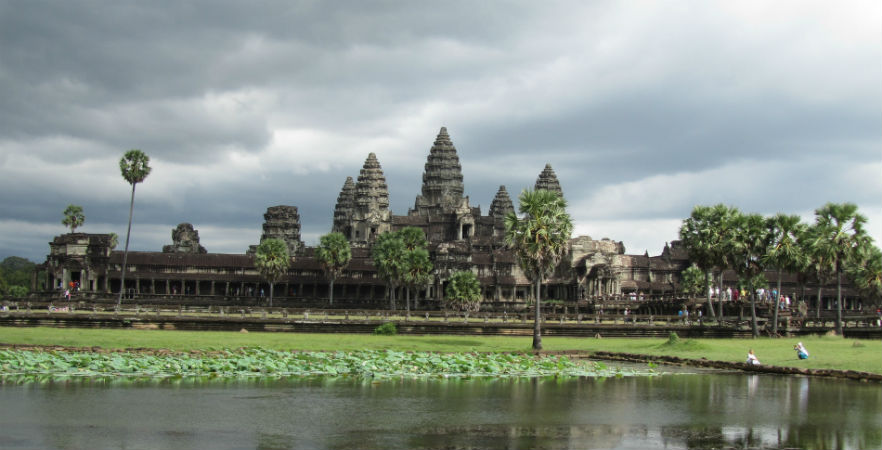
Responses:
[672,411]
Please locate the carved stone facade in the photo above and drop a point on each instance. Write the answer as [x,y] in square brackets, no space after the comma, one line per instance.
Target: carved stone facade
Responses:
[281,222]
[185,239]
[459,236]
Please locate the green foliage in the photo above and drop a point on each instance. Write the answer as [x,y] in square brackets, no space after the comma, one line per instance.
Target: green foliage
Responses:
[386,329]
[333,254]
[17,291]
[540,240]
[73,217]
[271,260]
[463,292]
[673,338]
[135,166]
[401,259]
[257,362]
[865,271]
[15,273]
[692,280]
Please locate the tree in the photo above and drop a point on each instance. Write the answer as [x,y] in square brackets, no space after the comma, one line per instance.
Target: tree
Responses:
[388,255]
[417,271]
[334,254]
[692,280]
[818,264]
[73,217]
[463,292]
[272,260]
[865,271]
[840,232]
[417,264]
[698,234]
[540,240]
[785,253]
[135,166]
[748,246]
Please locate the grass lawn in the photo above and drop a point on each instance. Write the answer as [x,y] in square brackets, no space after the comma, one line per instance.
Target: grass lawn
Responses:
[826,352]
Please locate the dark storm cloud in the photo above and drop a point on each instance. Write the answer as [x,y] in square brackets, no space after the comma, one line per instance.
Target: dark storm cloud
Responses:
[642,111]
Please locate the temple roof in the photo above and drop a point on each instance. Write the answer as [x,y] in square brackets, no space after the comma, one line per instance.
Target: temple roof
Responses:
[442,178]
[345,205]
[548,180]
[501,204]
[371,191]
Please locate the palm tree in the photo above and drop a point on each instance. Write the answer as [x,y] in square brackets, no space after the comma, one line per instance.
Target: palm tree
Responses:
[747,247]
[692,279]
[135,166]
[540,240]
[73,217]
[388,254]
[840,233]
[417,271]
[417,264]
[272,260]
[785,253]
[818,265]
[463,292]
[698,235]
[865,271]
[334,254]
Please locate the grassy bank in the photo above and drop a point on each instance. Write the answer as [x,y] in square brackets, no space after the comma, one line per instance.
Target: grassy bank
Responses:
[826,352]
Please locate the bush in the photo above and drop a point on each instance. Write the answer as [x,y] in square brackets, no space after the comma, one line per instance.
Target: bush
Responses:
[673,338]
[386,329]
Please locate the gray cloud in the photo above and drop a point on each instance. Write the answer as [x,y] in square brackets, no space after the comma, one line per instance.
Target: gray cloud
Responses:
[642,111]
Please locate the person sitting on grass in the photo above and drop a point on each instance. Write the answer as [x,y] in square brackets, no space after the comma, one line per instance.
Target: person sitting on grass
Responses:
[801,352]
[752,359]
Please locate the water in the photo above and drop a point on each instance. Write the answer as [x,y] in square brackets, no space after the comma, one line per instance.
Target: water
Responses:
[666,412]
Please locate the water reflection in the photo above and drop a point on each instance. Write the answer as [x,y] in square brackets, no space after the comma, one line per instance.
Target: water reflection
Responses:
[671,411]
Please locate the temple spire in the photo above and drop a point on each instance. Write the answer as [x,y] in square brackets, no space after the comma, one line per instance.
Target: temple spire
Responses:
[344,207]
[501,204]
[442,178]
[548,180]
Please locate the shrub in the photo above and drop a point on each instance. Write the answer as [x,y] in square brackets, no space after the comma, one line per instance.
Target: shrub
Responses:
[673,338]
[386,329]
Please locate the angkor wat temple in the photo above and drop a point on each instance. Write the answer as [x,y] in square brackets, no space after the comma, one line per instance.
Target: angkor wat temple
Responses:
[459,236]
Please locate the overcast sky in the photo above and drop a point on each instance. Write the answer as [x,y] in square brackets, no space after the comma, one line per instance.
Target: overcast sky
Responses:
[644,109]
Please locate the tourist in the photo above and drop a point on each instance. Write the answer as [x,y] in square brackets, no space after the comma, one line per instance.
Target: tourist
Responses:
[801,352]
[752,359]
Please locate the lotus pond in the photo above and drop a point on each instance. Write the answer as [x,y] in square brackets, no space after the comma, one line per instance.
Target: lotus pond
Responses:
[263,399]
[259,362]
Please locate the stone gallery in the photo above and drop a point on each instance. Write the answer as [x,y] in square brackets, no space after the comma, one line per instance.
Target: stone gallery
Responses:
[460,237]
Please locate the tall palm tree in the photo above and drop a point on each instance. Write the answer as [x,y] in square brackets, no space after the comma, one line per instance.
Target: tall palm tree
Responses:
[747,247]
[540,240]
[272,260]
[417,266]
[840,233]
[334,254]
[785,253]
[698,235]
[388,254]
[135,166]
[417,271]
[818,265]
[73,217]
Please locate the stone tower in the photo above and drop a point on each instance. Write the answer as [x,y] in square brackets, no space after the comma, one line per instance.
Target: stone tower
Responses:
[344,209]
[185,240]
[548,180]
[281,222]
[370,216]
[501,204]
[442,179]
